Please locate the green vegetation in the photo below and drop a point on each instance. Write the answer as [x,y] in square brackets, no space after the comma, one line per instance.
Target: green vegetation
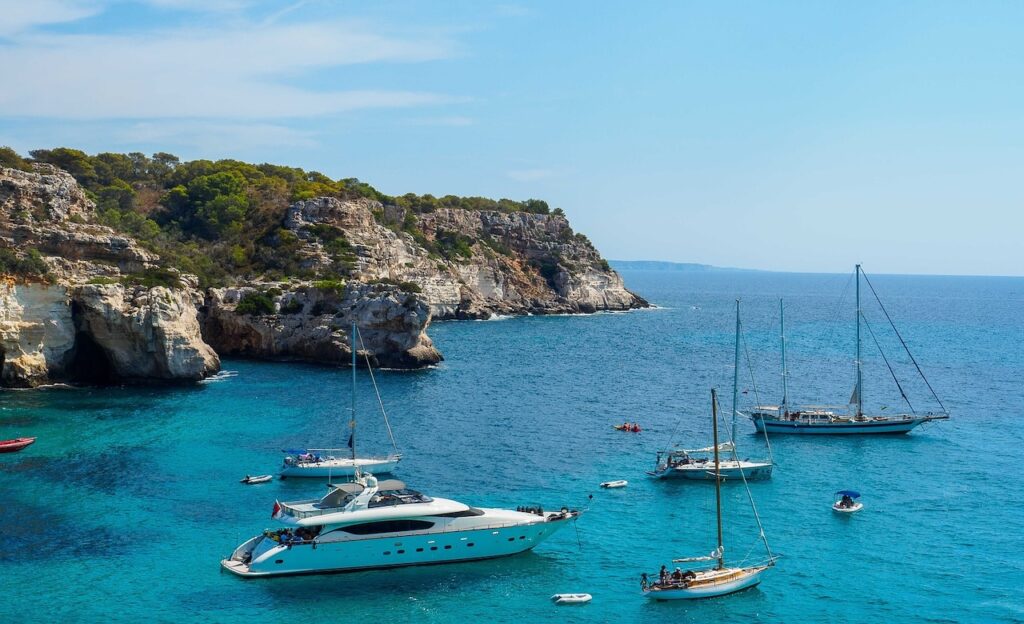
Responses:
[222,220]
[30,264]
[406,286]
[10,159]
[153,277]
[255,303]
[293,306]
[335,286]
[429,203]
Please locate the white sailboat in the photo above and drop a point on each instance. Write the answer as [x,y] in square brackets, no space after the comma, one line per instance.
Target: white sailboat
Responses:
[697,464]
[831,420]
[718,580]
[329,462]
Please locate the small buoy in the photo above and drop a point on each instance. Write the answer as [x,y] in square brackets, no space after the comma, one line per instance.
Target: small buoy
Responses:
[615,484]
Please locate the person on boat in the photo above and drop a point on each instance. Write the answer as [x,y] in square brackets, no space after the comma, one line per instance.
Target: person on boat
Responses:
[663,575]
[643,581]
[677,575]
[846,502]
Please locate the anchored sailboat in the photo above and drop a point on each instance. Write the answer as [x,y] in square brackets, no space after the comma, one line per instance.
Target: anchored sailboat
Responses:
[720,579]
[696,464]
[824,420]
[310,462]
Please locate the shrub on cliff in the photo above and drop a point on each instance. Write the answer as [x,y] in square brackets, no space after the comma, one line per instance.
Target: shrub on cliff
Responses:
[30,264]
[152,277]
[10,159]
[256,304]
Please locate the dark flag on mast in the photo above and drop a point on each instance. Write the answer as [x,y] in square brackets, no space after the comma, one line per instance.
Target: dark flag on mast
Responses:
[351,439]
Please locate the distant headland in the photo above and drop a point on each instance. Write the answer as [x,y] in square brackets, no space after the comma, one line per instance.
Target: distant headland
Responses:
[659,265]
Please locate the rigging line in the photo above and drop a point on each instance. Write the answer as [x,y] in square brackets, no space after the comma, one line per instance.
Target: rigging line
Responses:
[387,424]
[887,365]
[757,398]
[750,497]
[834,323]
[903,342]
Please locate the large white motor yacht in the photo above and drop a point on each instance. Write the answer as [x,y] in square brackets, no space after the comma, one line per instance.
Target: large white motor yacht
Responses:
[371,524]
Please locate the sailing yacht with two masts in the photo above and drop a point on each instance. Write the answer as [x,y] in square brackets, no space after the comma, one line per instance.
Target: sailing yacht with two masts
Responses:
[720,579]
[310,462]
[825,420]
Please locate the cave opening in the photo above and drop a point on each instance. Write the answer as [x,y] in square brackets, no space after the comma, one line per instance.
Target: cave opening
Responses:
[89,363]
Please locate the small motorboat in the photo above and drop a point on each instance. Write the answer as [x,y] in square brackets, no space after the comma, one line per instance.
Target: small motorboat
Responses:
[615,484]
[15,445]
[253,480]
[571,599]
[847,503]
[630,427]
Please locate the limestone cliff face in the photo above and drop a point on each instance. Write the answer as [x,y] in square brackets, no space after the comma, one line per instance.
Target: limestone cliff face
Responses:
[313,324]
[58,326]
[504,263]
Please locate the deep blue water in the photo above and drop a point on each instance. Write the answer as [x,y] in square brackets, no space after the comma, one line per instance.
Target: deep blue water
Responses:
[127,502]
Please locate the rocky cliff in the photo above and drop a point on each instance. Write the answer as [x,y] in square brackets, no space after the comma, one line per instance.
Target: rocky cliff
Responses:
[467,263]
[308,322]
[78,303]
[65,313]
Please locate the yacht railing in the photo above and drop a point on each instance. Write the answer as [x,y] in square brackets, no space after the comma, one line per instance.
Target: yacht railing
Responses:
[443,530]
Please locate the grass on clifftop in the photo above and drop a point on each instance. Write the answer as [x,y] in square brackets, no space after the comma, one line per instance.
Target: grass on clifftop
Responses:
[222,220]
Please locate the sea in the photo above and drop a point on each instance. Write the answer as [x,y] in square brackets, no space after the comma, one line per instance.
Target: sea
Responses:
[123,508]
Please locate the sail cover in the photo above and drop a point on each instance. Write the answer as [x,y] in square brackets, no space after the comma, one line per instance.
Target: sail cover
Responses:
[715,554]
[722,448]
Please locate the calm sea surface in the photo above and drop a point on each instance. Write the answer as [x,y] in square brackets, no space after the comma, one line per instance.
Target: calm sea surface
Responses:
[123,508]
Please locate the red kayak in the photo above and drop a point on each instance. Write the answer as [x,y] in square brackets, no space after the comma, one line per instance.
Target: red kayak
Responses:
[11,446]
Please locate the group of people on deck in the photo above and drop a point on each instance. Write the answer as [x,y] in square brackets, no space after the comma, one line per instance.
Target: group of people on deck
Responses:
[300,535]
[669,579]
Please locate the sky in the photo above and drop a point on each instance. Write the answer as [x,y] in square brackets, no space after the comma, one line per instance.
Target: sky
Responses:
[796,136]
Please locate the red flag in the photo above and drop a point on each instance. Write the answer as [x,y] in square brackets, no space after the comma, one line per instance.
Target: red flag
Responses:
[277,510]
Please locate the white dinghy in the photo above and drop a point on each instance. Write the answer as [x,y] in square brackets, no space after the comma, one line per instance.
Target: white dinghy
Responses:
[253,480]
[571,599]
[621,483]
[847,502]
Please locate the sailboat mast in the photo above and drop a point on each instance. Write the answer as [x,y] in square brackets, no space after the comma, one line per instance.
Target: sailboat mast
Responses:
[736,373]
[718,477]
[352,420]
[785,370]
[860,380]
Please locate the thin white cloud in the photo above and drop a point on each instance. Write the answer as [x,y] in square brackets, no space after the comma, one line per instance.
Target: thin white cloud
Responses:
[530,175]
[18,16]
[212,137]
[452,121]
[235,73]
[208,6]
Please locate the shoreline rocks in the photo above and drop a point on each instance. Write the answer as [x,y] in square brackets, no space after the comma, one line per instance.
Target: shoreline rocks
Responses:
[311,323]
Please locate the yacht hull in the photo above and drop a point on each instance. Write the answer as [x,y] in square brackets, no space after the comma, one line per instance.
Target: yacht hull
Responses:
[392,551]
[748,578]
[339,468]
[837,428]
[752,471]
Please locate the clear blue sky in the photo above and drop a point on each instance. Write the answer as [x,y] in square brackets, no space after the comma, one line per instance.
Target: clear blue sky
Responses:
[775,135]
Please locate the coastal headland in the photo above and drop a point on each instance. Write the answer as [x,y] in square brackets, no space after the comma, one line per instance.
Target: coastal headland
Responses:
[122,267]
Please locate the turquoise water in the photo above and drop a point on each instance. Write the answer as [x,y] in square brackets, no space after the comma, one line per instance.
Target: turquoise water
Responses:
[127,502]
